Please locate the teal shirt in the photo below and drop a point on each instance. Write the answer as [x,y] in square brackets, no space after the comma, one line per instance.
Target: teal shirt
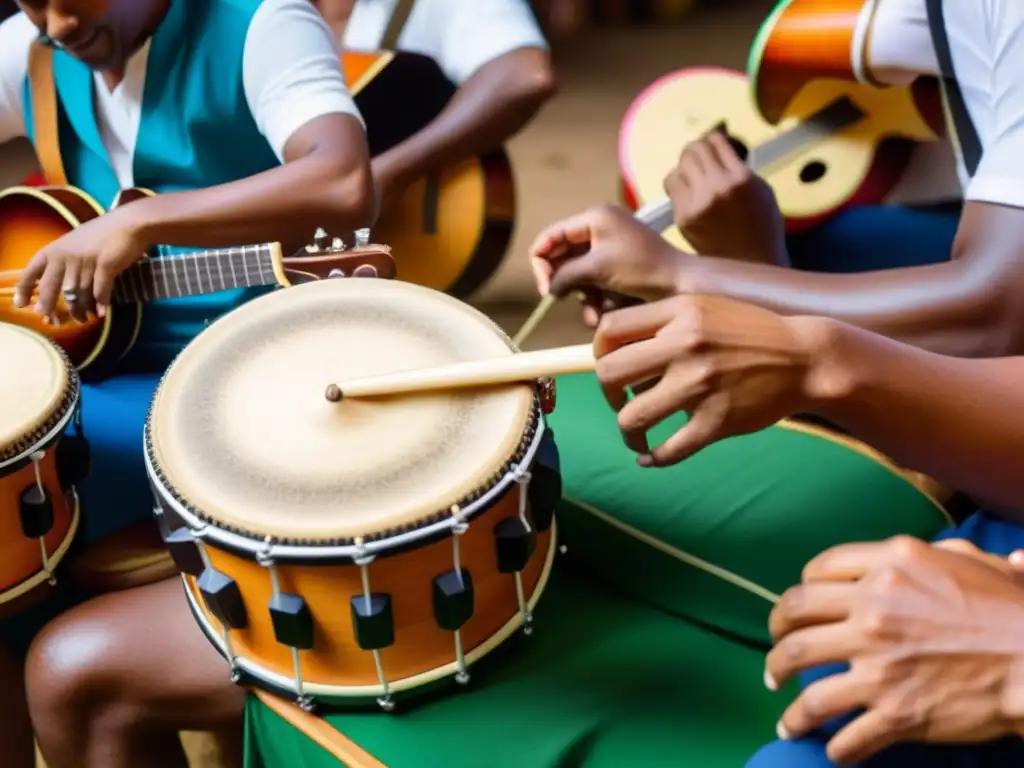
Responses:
[196,130]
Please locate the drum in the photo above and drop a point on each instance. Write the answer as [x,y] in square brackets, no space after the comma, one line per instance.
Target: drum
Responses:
[349,551]
[39,511]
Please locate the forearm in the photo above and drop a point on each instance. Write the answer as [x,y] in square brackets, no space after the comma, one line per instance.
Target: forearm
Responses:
[972,305]
[959,420]
[945,308]
[487,110]
[286,204]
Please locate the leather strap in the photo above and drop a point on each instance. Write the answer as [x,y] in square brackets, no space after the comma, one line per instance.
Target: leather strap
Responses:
[347,752]
[397,23]
[968,144]
[44,114]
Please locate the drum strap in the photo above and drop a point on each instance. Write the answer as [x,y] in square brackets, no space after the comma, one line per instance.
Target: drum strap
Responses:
[965,137]
[43,92]
[397,24]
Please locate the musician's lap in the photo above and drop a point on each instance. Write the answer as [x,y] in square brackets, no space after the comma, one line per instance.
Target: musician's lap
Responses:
[873,237]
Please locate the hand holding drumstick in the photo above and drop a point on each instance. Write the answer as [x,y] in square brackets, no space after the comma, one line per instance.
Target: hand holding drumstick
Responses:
[733,367]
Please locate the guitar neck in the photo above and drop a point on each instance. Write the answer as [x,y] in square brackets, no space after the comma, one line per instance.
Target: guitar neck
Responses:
[201,272]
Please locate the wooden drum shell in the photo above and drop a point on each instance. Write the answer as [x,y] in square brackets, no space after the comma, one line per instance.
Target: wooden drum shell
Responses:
[422,652]
[22,580]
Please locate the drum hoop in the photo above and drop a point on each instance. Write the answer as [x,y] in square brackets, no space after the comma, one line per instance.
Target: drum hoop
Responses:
[49,430]
[266,550]
[253,673]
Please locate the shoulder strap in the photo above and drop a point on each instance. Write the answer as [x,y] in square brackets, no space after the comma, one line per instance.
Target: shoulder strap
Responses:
[966,136]
[43,92]
[397,23]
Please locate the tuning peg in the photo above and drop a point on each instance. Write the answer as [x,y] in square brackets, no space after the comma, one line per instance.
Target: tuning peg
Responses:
[337,244]
[321,239]
[362,237]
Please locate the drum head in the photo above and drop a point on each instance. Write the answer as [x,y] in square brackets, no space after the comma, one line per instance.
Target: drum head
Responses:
[34,388]
[241,430]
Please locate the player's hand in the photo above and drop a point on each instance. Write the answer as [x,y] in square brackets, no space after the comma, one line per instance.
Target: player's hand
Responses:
[722,207]
[733,367]
[80,268]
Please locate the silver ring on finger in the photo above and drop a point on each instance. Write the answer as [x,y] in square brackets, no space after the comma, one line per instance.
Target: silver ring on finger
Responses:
[70,297]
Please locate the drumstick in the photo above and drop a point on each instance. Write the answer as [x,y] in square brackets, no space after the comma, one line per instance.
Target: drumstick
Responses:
[656,215]
[524,366]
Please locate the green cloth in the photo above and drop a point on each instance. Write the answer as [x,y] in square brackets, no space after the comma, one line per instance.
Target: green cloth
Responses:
[758,506]
[604,682]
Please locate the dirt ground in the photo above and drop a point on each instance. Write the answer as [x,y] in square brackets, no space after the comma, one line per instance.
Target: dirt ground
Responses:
[566,160]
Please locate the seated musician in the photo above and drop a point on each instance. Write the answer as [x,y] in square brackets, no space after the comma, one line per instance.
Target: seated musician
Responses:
[493,51]
[967,307]
[236,113]
[922,641]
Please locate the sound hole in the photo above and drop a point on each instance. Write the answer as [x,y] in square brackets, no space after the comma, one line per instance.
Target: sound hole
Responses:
[812,172]
[742,150]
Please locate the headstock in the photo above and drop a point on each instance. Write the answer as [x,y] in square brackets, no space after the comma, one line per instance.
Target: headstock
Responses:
[328,257]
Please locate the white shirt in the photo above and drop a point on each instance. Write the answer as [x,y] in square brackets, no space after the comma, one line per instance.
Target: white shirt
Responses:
[290,70]
[460,35]
[986,40]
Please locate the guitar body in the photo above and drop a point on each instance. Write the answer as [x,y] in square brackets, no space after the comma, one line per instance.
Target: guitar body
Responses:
[30,219]
[33,217]
[859,164]
[451,230]
[803,41]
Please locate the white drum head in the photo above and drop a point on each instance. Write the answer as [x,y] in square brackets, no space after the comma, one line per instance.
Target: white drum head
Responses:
[35,389]
[241,430]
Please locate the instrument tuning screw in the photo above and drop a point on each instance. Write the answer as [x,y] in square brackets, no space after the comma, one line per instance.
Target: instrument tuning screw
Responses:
[305,702]
[321,239]
[386,703]
[362,237]
[337,244]
[462,678]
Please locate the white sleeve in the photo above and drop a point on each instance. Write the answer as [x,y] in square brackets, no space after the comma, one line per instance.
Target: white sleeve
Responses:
[995,101]
[291,70]
[16,36]
[900,47]
[475,32]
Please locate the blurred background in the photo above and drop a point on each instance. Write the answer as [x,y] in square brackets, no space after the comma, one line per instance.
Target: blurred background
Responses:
[606,52]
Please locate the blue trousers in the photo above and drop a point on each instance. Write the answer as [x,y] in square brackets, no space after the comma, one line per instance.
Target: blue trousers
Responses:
[877,237]
[864,239]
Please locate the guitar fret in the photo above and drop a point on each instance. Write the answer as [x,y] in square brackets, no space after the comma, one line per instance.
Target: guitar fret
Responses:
[165,275]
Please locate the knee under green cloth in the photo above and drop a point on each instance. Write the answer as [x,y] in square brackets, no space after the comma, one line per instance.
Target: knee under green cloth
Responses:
[604,682]
[719,536]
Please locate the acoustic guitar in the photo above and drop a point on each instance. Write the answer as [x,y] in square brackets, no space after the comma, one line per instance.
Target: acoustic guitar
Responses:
[813,44]
[33,217]
[451,230]
[836,144]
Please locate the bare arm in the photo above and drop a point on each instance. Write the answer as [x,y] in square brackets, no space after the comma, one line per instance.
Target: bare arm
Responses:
[325,181]
[956,419]
[488,109]
[971,306]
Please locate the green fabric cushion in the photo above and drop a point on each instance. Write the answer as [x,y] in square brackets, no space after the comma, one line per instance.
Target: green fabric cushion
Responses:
[604,682]
[735,524]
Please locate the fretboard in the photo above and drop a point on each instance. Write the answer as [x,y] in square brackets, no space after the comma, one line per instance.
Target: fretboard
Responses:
[169,276]
[827,121]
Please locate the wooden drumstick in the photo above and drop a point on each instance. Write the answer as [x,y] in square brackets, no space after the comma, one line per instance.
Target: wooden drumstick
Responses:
[657,215]
[524,366]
